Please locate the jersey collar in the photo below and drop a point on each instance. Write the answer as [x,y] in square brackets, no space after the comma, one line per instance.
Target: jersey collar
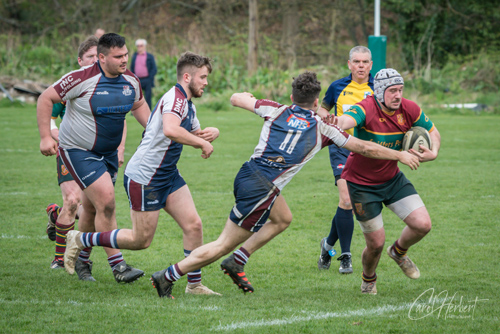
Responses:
[181,89]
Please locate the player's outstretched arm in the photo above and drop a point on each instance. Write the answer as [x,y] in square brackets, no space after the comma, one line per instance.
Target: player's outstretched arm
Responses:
[376,151]
[47,99]
[173,130]
[244,100]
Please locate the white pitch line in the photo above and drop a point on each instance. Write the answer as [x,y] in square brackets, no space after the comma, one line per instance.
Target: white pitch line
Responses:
[312,316]
[70,302]
[8,236]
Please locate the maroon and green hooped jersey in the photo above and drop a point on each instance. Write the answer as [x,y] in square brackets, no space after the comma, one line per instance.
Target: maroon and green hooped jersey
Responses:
[386,129]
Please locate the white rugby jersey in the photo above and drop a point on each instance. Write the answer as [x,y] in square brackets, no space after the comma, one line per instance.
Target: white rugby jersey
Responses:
[157,155]
[95,108]
[290,137]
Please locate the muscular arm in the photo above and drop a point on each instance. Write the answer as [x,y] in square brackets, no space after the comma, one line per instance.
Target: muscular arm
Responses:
[376,151]
[244,100]
[43,115]
[141,112]
[173,130]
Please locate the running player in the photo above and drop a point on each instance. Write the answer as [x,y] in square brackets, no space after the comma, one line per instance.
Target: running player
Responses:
[290,137]
[97,99]
[384,119]
[152,180]
[62,219]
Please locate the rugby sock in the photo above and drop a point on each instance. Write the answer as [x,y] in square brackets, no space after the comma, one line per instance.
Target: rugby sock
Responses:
[85,255]
[333,236]
[241,256]
[369,278]
[173,273]
[345,228]
[61,231]
[105,239]
[400,251]
[115,260]
[193,277]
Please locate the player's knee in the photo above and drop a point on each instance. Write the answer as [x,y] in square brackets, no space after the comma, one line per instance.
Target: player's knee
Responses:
[195,226]
[345,203]
[143,243]
[424,226]
[287,219]
[71,202]
[284,221]
[108,208]
[375,246]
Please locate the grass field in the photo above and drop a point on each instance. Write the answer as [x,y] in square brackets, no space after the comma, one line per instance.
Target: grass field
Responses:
[458,290]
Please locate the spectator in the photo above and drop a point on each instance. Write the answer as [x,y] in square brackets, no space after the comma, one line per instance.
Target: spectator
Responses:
[144,66]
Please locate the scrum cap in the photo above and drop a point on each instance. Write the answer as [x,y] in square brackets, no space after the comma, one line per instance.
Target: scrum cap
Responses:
[384,79]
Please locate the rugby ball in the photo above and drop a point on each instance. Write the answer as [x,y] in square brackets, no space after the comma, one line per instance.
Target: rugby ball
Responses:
[415,137]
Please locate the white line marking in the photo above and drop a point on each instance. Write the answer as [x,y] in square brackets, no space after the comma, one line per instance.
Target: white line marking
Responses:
[133,303]
[313,316]
[7,236]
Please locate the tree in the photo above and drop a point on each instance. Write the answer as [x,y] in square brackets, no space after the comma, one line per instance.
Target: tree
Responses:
[290,30]
[253,35]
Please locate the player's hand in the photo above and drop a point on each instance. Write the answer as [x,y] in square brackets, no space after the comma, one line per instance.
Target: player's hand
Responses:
[409,159]
[206,150]
[330,119]
[48,146]
[425,155]
[209,134]
[121,156]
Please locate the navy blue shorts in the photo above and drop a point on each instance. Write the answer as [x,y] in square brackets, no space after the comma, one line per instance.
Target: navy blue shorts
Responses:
[151,198]
[87,166]
[338,157]
[254,195]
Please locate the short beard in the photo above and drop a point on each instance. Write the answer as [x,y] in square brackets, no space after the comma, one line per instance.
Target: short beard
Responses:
[194,93]
[390,108]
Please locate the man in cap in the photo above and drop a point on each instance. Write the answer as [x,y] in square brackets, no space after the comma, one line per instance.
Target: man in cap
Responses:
[384,119]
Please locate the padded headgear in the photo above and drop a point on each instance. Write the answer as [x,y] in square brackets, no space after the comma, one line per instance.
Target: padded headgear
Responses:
[384,79]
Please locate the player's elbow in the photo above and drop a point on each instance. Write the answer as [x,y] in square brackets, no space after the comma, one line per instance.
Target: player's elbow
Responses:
[170,132]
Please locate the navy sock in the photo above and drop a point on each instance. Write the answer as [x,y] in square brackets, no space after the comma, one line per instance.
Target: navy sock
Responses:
[333,236]
[345,228]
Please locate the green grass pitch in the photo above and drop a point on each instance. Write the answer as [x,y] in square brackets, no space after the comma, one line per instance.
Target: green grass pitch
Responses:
[458,260]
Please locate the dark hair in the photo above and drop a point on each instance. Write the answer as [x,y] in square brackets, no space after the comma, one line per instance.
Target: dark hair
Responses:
[305,89]
[86,45]
[108,41]
[190,59]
